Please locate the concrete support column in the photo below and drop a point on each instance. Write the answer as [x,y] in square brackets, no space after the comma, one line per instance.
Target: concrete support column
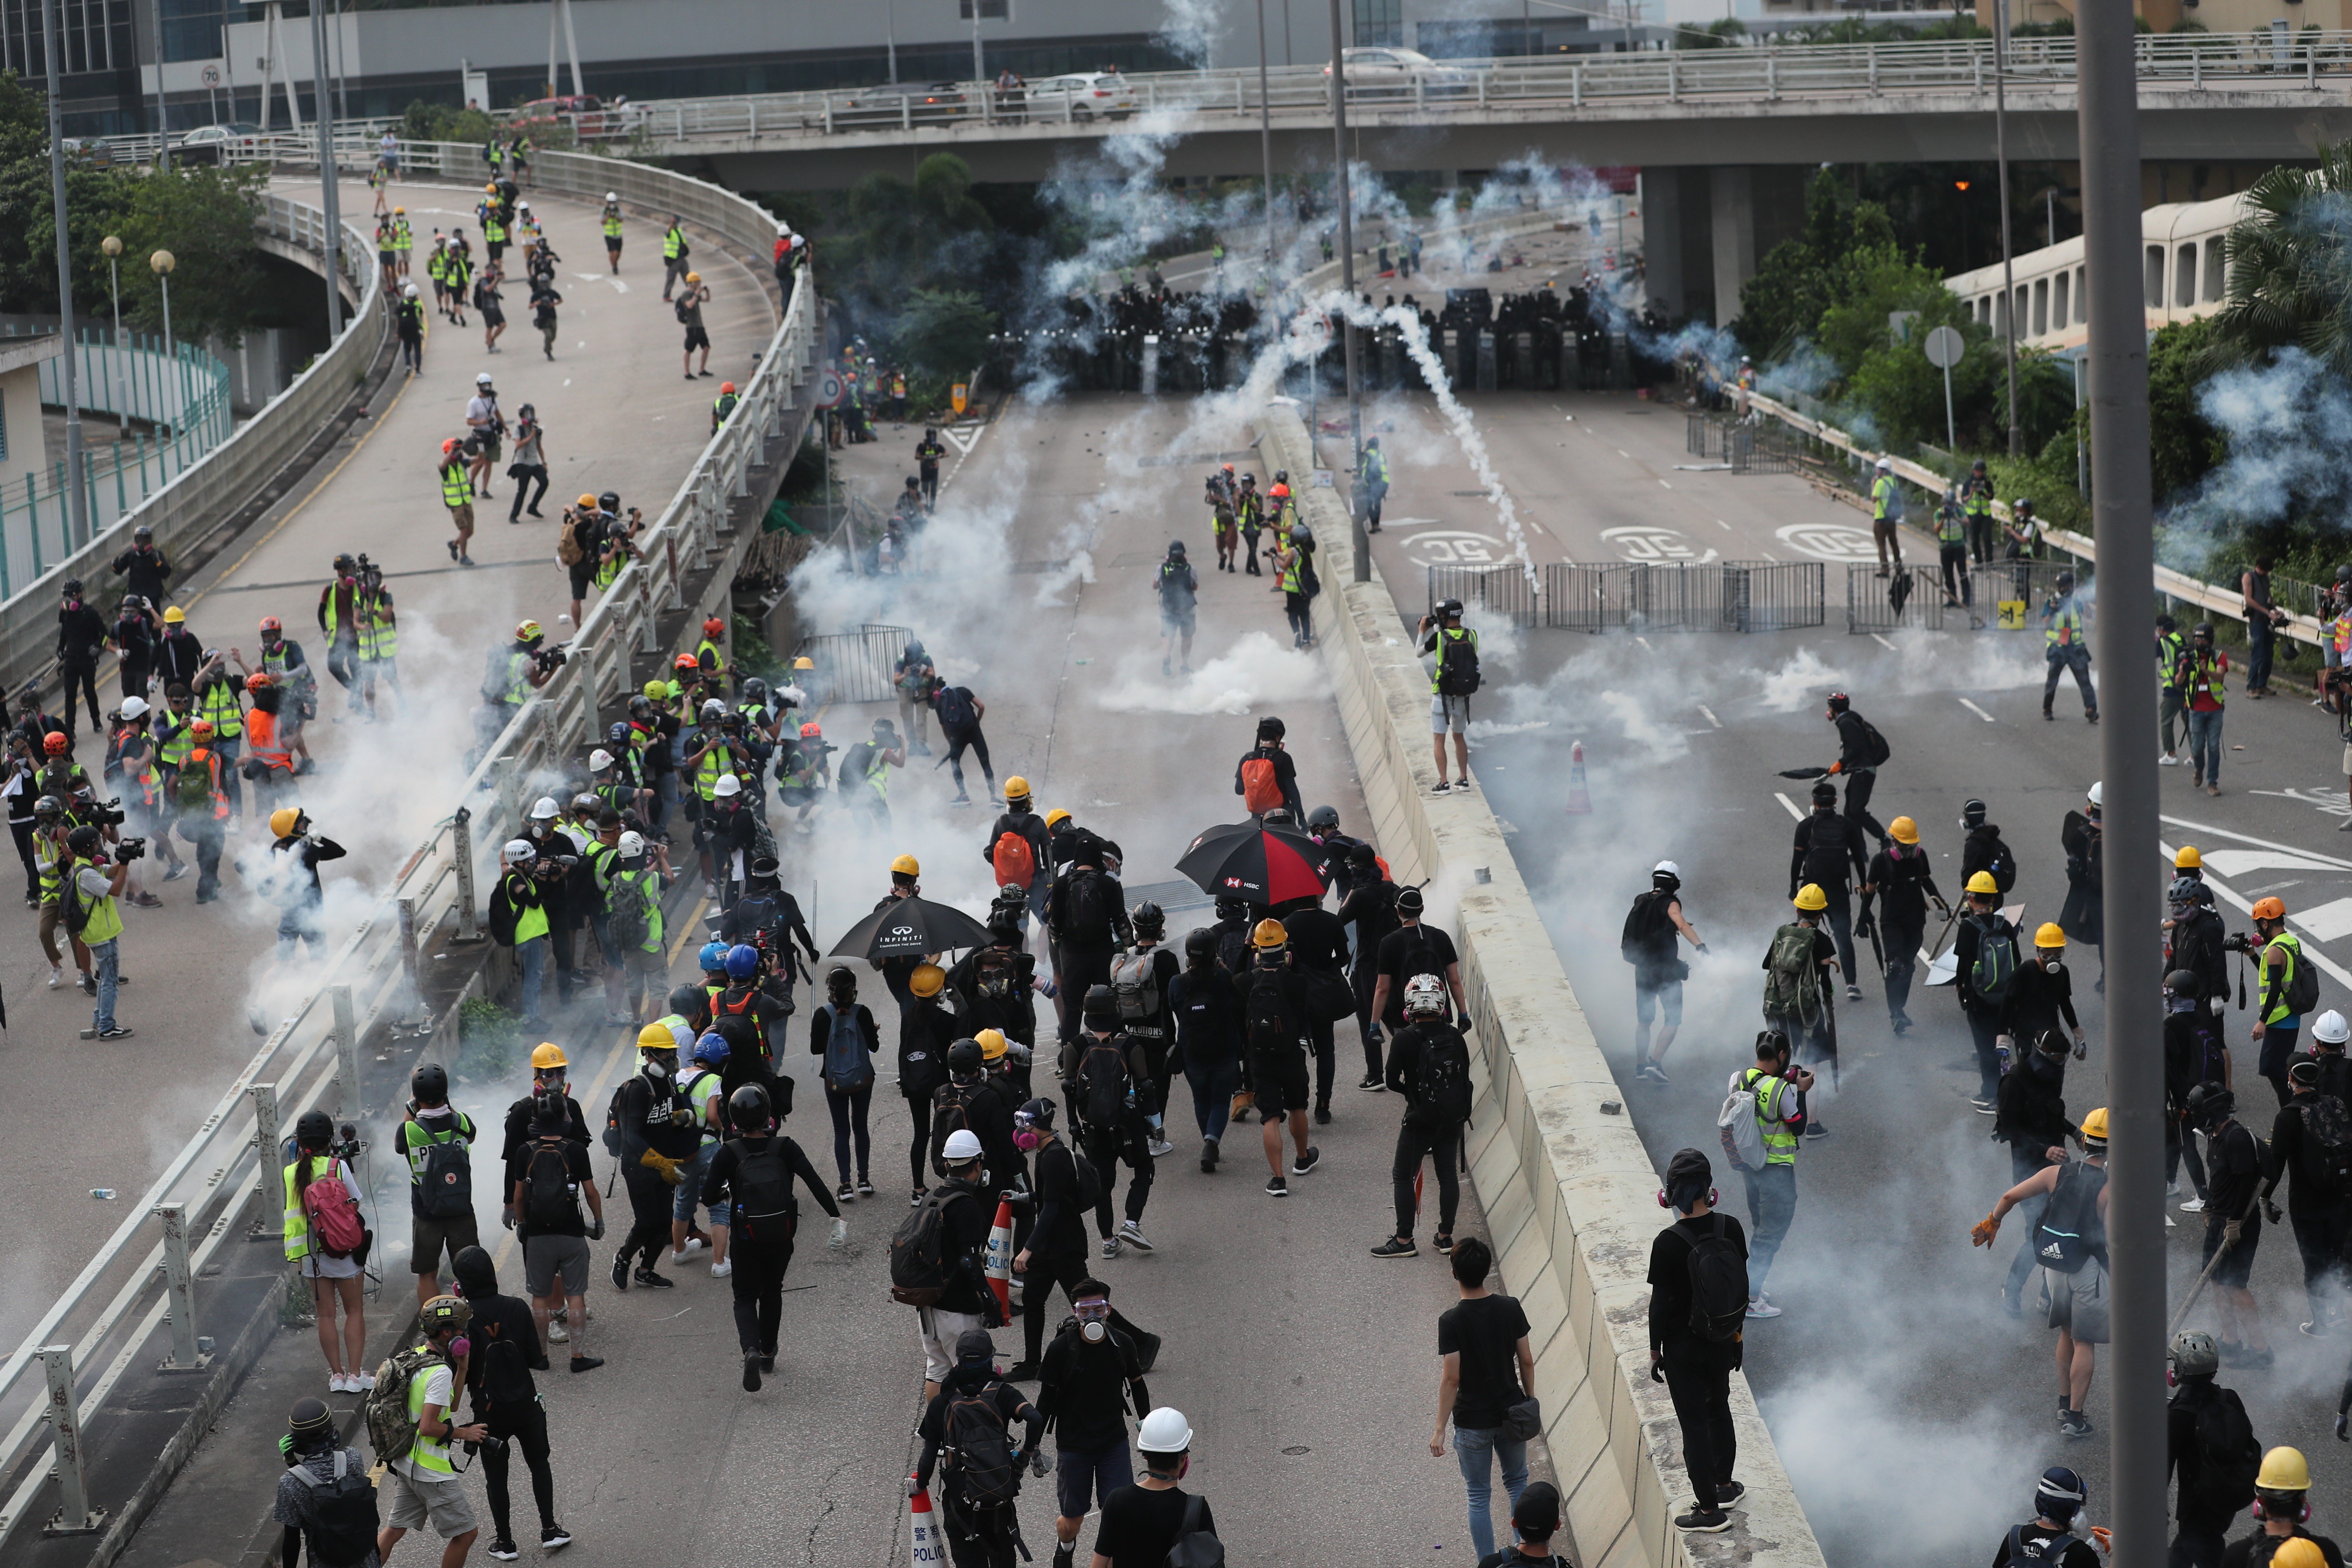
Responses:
[1732,212]
[1662,236]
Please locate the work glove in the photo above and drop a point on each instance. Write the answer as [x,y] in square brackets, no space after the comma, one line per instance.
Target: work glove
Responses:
[662,1164]
[2271,1212]
[510,1217]
[2230,1231]
[1037,1459]
[913,1487]
[1866,927]
[1657,1372]
[840,1237]
[681,1116]
[2104,1538]
[1981,1233]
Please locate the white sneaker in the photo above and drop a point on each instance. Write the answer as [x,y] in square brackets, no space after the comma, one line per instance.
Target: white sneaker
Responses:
[1757,1307]
[57,977]
[2167,760]
[1160,1148]
[557,1334]
[722,1270]
[2193,1206]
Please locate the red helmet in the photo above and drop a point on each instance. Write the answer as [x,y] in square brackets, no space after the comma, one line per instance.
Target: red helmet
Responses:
[56,744]
[726,386]
[812,731]
[686,661]
[271,624]
[448,446]
[713,626]
[257,681]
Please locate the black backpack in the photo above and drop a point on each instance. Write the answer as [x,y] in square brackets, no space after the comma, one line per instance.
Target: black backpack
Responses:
[444,1185]
[1828,851]
[2225,1442]
[1647,941]
[1195,1546]
[1719,1287]
[503,915]
[1266,1023]
[1457,665]
[1102,1076]
[549,1202]
[1085,909]
[2325,1157]
[953,706]
[1442,1088]
[919,1260]
[762,1192]
[982,1450]
[1875,747]
[2001,865]
[1090,1180]
[343,1524]
[1233,945]
[2050,1554]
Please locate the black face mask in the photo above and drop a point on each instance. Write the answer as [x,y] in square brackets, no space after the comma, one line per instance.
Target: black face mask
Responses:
[2045,1064]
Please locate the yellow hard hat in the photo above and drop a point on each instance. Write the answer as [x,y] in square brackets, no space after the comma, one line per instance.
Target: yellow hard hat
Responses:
[588,503]
[2189,861]
[2095,1126]
[175,617]
[991,1044]
[546,1055]
[527,631]
[1056,816]
[1811,897]
[656,1037]
[657,690]
[2049,933]
[2298,1550]
[1268,935]
[2284,1470]
[1903,830]
[927,980]
[282,820]
[694,278]
[805,662]
[400,212]
[1982,882]
[1016,788]
[907,866]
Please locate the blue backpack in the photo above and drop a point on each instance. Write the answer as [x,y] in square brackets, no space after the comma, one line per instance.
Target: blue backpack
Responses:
[848,1066]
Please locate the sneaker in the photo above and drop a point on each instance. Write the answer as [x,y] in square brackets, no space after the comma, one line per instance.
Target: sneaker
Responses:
[2192,1205]
[2257,1359]
[505,1551]
[586,1362]
[1306,1162]
[57,977]
[1322,1116]
[88,984]
[1372,1083]
[751,1373]
[1982,1106]
[916,1201]
[723,1270]
[1209,1154]
[1443,1244]
[116,1032]
[175,873]
[1757,1307]
[2167,760]
[1815,1130]
[845,1193]
[1110,1247]
[1132,1234]
[648,1278]
[2073,1424]
[1654,1073]
[2313,1329]
[1022,1372]
[1443,788]
[767,1360]
[864,1188]
[1276,1188]
[557,1334]
[1396,1247]
[1853,993]
[679,1256]
[552,1537]
[1160,1148]
[620,1271]
[1728,1495]
[1704,1521]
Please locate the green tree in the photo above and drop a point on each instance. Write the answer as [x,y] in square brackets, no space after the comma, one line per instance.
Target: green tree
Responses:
[2182,446]
[944,332]
[2291,267]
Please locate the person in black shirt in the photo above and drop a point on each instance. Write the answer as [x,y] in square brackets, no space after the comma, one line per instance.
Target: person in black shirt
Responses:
[555,1237]
[2051,1533]
[995,984]
[1535,1520]
[505,1351]
[2314,1211]
[1086,910]
[926,1030]
[2041,994]
[143,568]
[1318,945]
[1150,964]
[2282,1505]
[1269,747]
[2209,1496]
[1413,949]
[977,1537]
[1021,819]
[1276,1035]
[1431,1127]
[754,1173]
[1055,1252]
[2030,1118]
[769,918]
[1108,1079]
[1828,854]
[972,1099]
[1648,944]
[1984,849]
[1142,1523]
[2194,1056]
[2232,1226]
[1488,1368]
[1855,766]
[1089,1382]
[82,636]
[1208,1023]
[2195,933]
[657,1135]
[134,636]
[1370,907]
[1898,878]
[1696,1368]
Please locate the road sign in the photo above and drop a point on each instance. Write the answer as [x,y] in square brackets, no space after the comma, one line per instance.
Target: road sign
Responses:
[830,389]
[212,76]
[1944,346]
[959,396]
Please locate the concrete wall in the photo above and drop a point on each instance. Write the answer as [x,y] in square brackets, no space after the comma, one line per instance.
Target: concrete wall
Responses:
[1568,1188]
[20,419]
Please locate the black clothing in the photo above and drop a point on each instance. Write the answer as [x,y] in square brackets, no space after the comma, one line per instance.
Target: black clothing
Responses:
[1285,774]
[1106,926]
[994,989]
[518,1123]
[1977,854]
[926,1029]
[933,1428]
[1208,1018]
[2038,998]
[1085,1391]
[1061,1230]
[1854,744]
[717,1186]
[1485,1332]
[1827,845]
[980,1108]
[82,633]
[774,913]
[1318,939]
[143,571]
[577,1173]
[1669,1276]
[649,1120]
[1139,1524]
[1699,1381]
[2197,947]
[2234,1161]
[2185,1457]
[2084,914]
[964,1225]
[1027,825]
[179,654]
[1408,951]
[1371,908]
[1902,888]
[2031,1114]
[2078,1553]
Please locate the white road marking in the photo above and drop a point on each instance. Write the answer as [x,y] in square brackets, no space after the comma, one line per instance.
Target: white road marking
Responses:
[2303,856]
[1977,710]
[1790,805]
[1663,486]
[2328,921]
[1643,641]
[1884,643]
[1709,714]
[1623,453]
[1723,525]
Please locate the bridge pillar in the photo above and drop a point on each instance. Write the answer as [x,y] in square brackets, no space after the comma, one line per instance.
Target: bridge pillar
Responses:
[1662,237]
[1732,222]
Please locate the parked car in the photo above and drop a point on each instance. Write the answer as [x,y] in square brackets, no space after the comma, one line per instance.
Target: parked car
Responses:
[1393,73]
[215,143]
[1082,95]
[923,103]
[588,115]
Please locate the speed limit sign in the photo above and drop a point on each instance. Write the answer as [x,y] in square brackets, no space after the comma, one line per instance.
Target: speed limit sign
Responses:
[212,76]
[830,389]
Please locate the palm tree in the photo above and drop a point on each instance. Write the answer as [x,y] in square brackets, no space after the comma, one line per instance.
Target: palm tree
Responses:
[2291,267]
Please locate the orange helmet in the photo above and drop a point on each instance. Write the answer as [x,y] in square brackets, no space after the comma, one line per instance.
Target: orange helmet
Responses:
[1279,491]
[202,729]
[812,731]
[686,661]
[56,744]
[257,681]
[713,626]
[271,624]
[449,446]
[726,386]
[2270,909]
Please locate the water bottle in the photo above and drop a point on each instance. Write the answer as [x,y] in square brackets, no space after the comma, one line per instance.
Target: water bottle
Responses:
[103,1194]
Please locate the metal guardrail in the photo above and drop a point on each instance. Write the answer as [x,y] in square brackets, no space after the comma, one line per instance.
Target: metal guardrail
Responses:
[1622,595]
[852,667]
[89,1338]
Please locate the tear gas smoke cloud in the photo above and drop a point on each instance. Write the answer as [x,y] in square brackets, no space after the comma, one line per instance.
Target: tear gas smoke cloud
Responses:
[2287,424]
[1251,676]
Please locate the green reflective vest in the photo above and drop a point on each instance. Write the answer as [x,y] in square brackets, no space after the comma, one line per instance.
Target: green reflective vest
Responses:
[50,860]
[1453,634]
[2169,646]
[436,266]
[221,704]
[672,244]
[493,231]
[379,637]
[105,916]
[403,239]
[429,1456]
[177,742]
[456,487]
[1771,1115]
[297,1223]
[531,918]
[1376,467]
[611,223]
[724,406]
[1951,527]
[707,654]
[2285,941]
[1978,501]
[2062,622]
[520,665]
[1881,497]
[641,883]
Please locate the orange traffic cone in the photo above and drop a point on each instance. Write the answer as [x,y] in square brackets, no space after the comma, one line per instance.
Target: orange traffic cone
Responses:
[928,1545]
[1578,802]
[997,1266]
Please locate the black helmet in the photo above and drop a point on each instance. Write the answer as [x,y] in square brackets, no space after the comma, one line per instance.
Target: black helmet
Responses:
[73,587]
[1840,702]
[314,1129]
[765,867]
[1823,792]
[2344,574]
[609,501]
[1004,929]
[1323,819]
[965,1058]
[755,691]
[2208,1102]
[1200,942]
[1226,909]
[1175,547]
[345,563]
[641,706]
[1972,813]
[83,839]
[1282,476]
[688,1001]
[2202,631]
[748,1108]
[2066,582]
[429,1083]
[48,808]
[914,649]
[2182,983]
[1148,914]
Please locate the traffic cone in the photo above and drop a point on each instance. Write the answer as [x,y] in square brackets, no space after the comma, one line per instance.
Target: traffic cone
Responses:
[997,1265]
[929,1546]
[1579,802]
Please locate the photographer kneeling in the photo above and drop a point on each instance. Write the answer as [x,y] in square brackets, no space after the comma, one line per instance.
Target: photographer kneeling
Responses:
[93,915]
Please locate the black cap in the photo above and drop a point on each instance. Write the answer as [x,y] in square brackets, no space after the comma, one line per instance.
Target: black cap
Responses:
[311,1424]
[1101,1006]
[1689,1167]
[1040,1112]
[1408,902]
[973,1346]
[1536,1516]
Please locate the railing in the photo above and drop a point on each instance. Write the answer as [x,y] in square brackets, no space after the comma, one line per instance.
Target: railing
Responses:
[183,400]
[852,667]
[94,1330]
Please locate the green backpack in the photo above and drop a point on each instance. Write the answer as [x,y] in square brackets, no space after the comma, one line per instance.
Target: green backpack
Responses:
[1792,986]
[392,1430]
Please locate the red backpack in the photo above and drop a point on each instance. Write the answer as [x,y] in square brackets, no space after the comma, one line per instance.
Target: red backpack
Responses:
[333,1212]
[1015,860]
[1261,790]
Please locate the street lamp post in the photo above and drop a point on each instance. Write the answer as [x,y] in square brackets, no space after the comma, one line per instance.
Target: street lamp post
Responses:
[1360,540]
[323,108]
[2007,265]
[76,507]
[112,246]
[162,262]
[1266,135]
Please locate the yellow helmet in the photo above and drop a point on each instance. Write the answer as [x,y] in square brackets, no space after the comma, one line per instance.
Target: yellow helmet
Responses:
[1903,830]
[527,631]
[1811,897]
[175,617]
[2049,933]
[805,662]
[2298,1550]
[2095,1126]
[991,1044]
[1982,882]
[2189,861]
[400,212]
[491,189]
[927,980]
[906,866]
[657,689]
[587,503]
[656,1037]
[694,278]
[547,1055]
[1268,936]
[282,820]
[1016,788]
[2284,1470]
[1056,816]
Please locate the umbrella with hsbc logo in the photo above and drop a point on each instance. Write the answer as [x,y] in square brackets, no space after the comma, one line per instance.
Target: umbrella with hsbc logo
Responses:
[909,928]
[1255,864]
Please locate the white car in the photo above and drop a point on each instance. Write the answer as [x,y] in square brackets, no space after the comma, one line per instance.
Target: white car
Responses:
[1382,72]
[1082,95]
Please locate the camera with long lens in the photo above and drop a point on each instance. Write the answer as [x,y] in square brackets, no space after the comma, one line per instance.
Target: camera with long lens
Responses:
[129,850]
[348,1144]
[105,814]
[371,575]
[2238,942]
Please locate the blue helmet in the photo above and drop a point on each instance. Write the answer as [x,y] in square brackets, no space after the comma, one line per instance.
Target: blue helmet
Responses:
[711,1050]
[618,734]
[713,957]
[742,962]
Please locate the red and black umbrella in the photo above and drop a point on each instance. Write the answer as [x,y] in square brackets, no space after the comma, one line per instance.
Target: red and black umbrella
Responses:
[1255,864]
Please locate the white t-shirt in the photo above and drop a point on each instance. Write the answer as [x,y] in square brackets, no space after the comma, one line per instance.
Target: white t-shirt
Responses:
[96,883]
[482,412]
[437,1388]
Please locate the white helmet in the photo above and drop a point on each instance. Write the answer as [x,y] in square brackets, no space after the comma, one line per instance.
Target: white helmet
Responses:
[134,708]
[2331,1027]
[1667,868]
[520,851]
[610,197]
[599,760]
[728,788]
[1886,465]
[1424,996]
[483,379]
[1164,1431]
[632,845]
[545,810]
[962,1144]
[2094,793]
[409,293]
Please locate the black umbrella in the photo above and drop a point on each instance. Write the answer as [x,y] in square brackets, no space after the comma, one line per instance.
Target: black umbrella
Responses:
[909,928]
[1256,863]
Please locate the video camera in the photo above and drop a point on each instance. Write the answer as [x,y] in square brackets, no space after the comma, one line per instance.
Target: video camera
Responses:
[105,814]
[551,659]
[129,850]
[369,575]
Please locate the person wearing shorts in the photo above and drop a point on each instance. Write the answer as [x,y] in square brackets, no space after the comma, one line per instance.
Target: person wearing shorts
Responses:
[689,315]
[702,1088]
[1276,1078]
[423,1483]
[556,1253]
[433,1121]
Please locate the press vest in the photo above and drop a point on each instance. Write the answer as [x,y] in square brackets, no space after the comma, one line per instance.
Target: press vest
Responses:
[1780,1142]
[2066,628]
[611,223]
[2204,679]
[1881,497]
[2169,646]
[640,884]
[298,1222]
[105,918]
[2285,941]
[379,637]
[456,488]
[531,919]
[429,1455]
[673,245]
[221,707]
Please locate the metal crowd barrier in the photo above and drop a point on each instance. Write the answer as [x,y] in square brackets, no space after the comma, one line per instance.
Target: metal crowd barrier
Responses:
[852,667]
[2005,596]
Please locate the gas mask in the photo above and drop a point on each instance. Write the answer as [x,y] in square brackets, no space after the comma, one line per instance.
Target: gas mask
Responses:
[1094,1320]
[661,1064]
[1026,1141]
[459,1347]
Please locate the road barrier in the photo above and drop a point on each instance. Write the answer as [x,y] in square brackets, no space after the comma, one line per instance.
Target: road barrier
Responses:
[1569,1190]
[1645,596]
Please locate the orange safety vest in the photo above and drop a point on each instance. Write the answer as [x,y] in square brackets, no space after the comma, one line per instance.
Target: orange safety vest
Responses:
[211,763]
[261,734]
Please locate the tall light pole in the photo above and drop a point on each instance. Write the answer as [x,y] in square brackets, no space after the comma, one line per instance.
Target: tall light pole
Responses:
[979,69]
[1266,135]
[76,508]
[1361,541]
[2107,125]
[163,125]
[2008,266]
[890,35]
[322,106]
[162,262]
[112,246]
